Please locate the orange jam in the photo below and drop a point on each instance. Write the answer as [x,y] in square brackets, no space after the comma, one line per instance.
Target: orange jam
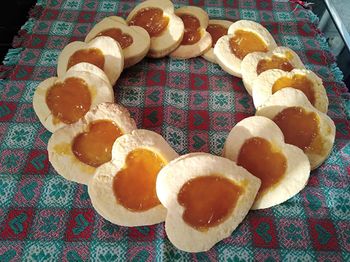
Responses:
[92,55]
[216,31]
[94,146]
[299,82]
[70,100]
[245,42]
[299,127]
[263,160]
[151,19]
[124,40]
[275,62]
[208,200]
[135,184]
[192,29]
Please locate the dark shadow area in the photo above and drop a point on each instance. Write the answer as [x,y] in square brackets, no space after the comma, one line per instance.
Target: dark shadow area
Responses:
[13,14]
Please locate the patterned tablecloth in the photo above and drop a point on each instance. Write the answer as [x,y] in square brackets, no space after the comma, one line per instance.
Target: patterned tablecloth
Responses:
[193,104]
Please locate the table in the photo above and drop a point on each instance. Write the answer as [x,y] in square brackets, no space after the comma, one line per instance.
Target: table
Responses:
[44,217]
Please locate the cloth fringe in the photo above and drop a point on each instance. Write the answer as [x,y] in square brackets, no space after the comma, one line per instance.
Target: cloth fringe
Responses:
[12,56]
[29,25]
[338,74]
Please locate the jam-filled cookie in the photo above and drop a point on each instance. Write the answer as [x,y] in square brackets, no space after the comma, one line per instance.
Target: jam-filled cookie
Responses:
[217,29]
[123,190]
[196,39]
[270,81]
[302,125]
[103,52]
[133,40]
[243,37]
[165,28]
[60,101]
[257,144]
[254,64]
[206,196]
[76,150]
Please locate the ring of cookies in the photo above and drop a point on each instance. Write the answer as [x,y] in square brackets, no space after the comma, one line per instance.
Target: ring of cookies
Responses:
[134,176]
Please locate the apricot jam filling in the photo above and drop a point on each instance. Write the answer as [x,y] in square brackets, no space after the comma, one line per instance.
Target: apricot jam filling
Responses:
[134,185]
[94,146]
[275,62]
[216,31]
[299,82]
[208,200]
[263,160]
[299,127]
[192,29]
[151,19]
[68,101]
[245,42]
[92,55]
[124,40]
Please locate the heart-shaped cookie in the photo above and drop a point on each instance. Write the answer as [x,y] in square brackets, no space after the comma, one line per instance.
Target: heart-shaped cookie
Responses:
[206,197]
[216,29]
[94,146]
[134,40]
[257,144]
[59,101]
[159,20]
[257,150]
[102,51]
[75,151]
[213,208]
[270,81]
[243,37]
[302,125]
[196,39]
[254,64]
[123,189]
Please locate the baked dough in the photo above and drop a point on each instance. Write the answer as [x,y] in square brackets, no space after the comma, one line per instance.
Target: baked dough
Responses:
[98,85]
[290,97]
[100,187]
[298,167]
[204,43]
[171,37]
[227,60]
[262,87]
[113,56]
[60,144]
[209,55]
[141,40]
[178,172]
[250,62]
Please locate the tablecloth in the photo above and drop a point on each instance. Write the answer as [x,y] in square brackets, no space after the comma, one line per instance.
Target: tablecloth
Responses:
[193,104]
